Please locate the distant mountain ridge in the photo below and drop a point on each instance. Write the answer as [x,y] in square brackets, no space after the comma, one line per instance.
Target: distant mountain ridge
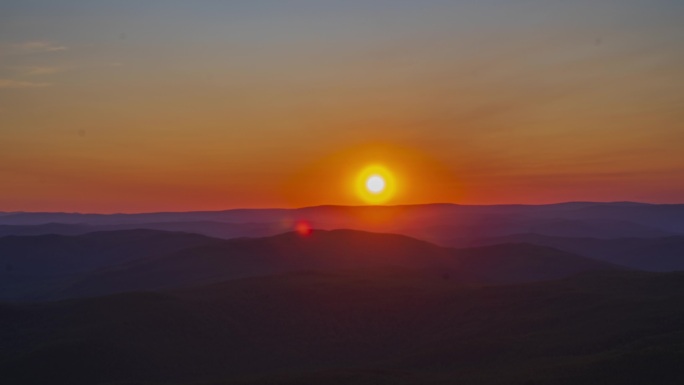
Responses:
[134,260]
[439,223]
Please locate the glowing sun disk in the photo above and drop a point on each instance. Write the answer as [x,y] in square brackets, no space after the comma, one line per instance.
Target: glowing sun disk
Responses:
[375,184]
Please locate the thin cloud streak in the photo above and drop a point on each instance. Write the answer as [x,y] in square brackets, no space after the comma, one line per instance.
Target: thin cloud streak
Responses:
[38,70]
[19,84]
[38,47]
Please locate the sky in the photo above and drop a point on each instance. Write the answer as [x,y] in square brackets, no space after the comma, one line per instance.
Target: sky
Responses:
[129,106]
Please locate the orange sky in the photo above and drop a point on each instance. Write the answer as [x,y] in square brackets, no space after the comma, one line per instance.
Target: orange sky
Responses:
[170,107]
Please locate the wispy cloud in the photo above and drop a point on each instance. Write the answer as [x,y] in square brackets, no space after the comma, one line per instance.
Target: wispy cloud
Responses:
[38,47]
[19,84]
[38,70]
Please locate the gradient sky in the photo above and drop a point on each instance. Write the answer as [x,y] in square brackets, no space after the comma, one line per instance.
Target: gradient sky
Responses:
[125,106]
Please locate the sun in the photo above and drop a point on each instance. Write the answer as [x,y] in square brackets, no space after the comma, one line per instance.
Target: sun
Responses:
[375,184]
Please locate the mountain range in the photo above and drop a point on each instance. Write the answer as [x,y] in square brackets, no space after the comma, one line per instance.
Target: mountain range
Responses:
[58,266]
[570,293]
[440,223]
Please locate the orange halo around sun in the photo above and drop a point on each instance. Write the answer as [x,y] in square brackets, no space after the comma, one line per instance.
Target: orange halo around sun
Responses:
[375,184]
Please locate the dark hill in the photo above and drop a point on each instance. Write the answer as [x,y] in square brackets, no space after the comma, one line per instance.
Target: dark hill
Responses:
[363,327]
[66,254]
[239,258]
[651,254]
[30,265]
[521,262]
[209,228]
[331,251]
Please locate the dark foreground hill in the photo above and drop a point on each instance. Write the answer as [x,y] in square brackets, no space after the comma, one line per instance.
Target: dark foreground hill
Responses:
[225,230]
[57,254]
[650,254]
[56,266]
[32,266]
[377,326]
[330,251]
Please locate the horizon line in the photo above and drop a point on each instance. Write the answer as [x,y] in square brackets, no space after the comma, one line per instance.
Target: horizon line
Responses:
[338,206]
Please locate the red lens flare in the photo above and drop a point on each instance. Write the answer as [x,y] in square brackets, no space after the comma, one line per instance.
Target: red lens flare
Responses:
[303,228]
